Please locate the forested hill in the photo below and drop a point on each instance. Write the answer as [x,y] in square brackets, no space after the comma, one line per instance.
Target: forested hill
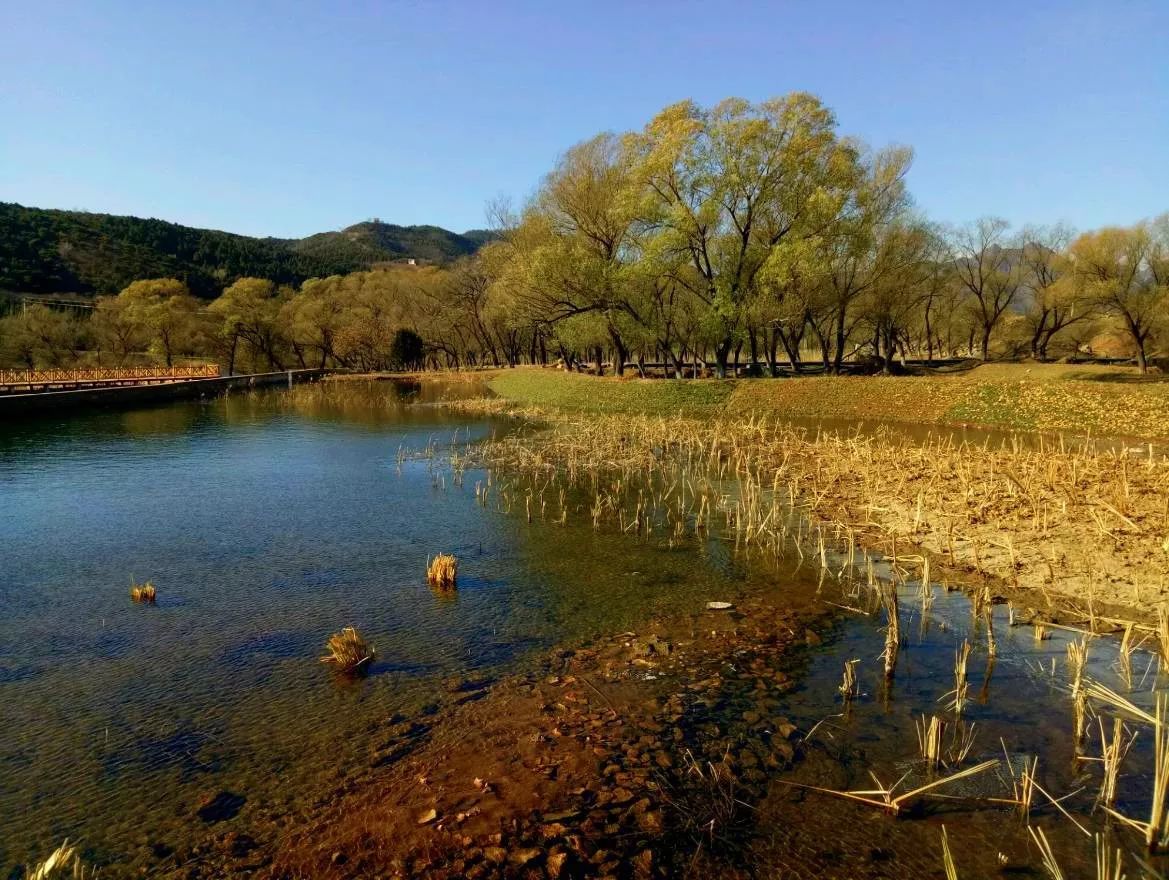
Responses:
[49,251]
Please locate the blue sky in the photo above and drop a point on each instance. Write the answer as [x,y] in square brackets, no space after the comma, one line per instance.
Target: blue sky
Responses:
[287,118]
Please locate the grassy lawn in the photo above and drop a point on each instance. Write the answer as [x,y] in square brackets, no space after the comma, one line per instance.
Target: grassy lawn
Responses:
[1105,401]
[581,393]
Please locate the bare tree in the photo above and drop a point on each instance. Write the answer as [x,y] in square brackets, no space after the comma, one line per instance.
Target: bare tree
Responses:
[989,265]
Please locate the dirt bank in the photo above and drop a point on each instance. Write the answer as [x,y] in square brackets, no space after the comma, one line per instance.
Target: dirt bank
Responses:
[638,756]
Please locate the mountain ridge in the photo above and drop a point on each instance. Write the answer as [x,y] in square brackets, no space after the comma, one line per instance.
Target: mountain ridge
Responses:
[48,250]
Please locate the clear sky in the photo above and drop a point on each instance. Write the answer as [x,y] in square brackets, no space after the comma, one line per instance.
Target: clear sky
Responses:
[287,118]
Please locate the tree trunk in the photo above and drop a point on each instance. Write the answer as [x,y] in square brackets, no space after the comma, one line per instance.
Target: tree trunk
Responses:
[722,353]
[620,352]
[1142,360]
[838,355]
[770,344]
[790,348]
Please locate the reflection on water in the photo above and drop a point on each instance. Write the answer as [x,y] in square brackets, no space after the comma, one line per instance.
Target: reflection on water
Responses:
[267,521]
[270,520]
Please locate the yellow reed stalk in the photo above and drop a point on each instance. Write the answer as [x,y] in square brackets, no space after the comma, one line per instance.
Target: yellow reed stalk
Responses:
[1049,863]
[961,689]
[892,631]
[1124,655]
[961,742]
[948,858]
[929,739]
[1109,860]
[849,686]
[1111,756]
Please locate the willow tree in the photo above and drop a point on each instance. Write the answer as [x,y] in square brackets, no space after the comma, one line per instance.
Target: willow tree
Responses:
[725,186]
[165,313]
[892,301]
[1126,272]
[860,248]
[312,319]
[575,237]
[249,310]
[1058,298]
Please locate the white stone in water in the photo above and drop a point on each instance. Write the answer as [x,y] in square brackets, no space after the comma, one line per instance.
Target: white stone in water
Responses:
[718,606]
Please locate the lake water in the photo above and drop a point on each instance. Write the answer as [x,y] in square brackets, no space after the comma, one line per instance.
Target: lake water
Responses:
[266,525]
[269,521]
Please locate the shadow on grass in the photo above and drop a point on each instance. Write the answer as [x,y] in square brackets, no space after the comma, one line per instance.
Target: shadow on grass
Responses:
[1152,378]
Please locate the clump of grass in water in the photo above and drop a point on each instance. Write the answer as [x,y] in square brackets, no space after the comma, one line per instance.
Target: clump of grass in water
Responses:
[441,571]
[1111,756]
[62,863]
[349,651]
[143,594]
[707,804]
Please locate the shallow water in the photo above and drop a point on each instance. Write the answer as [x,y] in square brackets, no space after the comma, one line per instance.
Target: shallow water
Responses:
[1019,708]
[266,522]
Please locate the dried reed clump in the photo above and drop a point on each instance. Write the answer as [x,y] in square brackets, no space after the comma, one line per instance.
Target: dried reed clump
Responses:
[1109,860]
[144,594]
[62,863]
[1023,783]
[1077,661]
[349,651]
[1112,754]
[1155,830]
[441,571]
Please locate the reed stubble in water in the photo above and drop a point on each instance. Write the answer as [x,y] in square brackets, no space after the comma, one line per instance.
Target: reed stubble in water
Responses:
[442,571]
[349,651]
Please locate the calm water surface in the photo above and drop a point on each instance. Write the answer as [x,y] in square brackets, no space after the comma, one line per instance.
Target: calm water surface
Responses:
[266,526]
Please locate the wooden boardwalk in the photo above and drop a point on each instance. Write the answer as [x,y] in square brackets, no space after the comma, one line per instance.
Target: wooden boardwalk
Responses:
[33,381]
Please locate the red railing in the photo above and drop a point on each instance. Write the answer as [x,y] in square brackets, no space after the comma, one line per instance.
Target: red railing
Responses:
[107,374]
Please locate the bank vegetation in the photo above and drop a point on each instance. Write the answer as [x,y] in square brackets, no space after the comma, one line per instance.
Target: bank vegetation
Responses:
[739,237]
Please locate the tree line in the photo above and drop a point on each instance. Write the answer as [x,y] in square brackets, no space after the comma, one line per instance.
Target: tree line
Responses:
[742,232]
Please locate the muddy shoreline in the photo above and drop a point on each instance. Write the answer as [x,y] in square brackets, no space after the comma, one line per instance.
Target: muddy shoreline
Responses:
[637,755]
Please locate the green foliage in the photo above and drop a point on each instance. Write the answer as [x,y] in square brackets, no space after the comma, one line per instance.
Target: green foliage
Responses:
[49,251]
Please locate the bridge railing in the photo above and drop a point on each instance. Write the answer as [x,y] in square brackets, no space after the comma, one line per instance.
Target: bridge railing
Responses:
[107,374]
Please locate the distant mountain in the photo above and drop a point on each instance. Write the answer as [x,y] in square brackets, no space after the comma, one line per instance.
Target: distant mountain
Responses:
[374,240]
[50,251]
